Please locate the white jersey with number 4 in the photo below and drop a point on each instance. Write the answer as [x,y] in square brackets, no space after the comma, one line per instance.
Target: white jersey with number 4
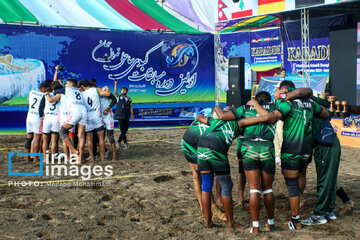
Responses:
[93,107]
[33,117]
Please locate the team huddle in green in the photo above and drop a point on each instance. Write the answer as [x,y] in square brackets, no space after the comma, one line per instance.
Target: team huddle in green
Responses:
[296,124]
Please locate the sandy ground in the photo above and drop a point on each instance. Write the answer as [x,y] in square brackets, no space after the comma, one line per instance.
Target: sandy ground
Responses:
[150,198]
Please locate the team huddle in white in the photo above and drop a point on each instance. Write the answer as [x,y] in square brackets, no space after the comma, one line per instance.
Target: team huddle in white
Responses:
[60,110]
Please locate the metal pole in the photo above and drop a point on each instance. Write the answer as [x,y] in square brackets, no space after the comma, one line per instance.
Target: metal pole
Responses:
[305,46]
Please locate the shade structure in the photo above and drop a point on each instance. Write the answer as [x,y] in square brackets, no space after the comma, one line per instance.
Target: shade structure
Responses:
[123,19]
[135,15]
[73,13]
[186,9]
[106,17]
[45,14]
[14,11]
[206,11]
[151,8]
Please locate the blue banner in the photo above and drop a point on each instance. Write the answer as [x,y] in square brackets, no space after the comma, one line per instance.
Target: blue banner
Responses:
[269,84]
[318,53]
[265,50]
[232,45]
[155,67]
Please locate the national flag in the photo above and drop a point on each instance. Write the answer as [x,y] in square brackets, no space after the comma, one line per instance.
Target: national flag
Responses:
[221,13]
[243,8]
[270,6]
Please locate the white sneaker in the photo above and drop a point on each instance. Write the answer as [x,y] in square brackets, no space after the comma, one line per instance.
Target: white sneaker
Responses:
[126,146]
[331,215]
[314,220]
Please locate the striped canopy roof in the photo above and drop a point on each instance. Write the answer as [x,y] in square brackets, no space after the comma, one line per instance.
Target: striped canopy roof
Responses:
[128,15]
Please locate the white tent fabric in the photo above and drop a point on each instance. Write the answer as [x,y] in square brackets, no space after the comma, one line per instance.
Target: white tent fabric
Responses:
[74,14]
[206,11]
[45,14]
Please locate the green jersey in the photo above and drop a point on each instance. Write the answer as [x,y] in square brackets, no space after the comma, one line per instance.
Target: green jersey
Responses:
[298,117]
[263,131]
[220,135]
[195,130]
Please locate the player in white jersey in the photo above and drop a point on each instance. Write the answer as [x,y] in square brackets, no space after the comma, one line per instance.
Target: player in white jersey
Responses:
[95,122]
[50,112]
[77,115]
[33,120]
[106,107]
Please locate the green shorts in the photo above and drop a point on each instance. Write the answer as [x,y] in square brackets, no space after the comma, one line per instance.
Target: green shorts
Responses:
[209,159]
[189,151]
[240,141]
[293,161]
[258,155]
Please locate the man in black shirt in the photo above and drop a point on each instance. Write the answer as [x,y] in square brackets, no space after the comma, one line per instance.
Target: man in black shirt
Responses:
[123,113]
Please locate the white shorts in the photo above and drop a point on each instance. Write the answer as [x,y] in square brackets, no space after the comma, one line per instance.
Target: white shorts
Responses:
[63,116]
[77,116]
[33,124]
[94,123]
[109,121]
[51,124]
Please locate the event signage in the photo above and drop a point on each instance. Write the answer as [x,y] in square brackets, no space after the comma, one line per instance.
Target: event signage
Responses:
[155,67]
[269,84]
[265,50]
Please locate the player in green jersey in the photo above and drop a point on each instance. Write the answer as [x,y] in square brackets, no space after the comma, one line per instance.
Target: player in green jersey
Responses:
[297,143]
[189,147]
[213,146]
[259,161]
[230,115]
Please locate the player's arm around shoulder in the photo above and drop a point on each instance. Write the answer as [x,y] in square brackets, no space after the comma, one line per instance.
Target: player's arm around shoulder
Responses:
[104,93]
[53,99]
[202,119]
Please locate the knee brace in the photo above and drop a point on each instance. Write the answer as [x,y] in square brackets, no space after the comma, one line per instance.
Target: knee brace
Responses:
[241,168]
[28,142]
[292,185]
[64,132]
[110,134]
[207,182]
[254,191]
[267,191]
[226,185]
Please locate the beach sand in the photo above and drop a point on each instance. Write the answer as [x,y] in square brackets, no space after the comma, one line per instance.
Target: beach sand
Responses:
[150,196]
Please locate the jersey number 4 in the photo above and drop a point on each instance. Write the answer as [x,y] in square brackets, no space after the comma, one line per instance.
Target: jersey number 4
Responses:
[90,102]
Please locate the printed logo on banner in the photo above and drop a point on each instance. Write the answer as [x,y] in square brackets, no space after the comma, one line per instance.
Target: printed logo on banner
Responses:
[179,58]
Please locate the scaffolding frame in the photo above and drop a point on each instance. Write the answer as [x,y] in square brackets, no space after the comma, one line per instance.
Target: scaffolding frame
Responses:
[305,46]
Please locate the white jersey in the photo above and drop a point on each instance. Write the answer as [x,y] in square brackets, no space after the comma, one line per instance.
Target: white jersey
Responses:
[51,108]
[104,103]
[34,103]
[92,100]
[73,96]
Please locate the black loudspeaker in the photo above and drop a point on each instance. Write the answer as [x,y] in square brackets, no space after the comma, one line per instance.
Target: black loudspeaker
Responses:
[236,98]
[236,73]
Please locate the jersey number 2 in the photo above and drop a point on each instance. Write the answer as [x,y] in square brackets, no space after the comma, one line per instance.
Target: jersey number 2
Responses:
[33,105]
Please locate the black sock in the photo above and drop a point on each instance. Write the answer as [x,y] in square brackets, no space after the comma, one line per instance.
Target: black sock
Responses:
[342,194]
